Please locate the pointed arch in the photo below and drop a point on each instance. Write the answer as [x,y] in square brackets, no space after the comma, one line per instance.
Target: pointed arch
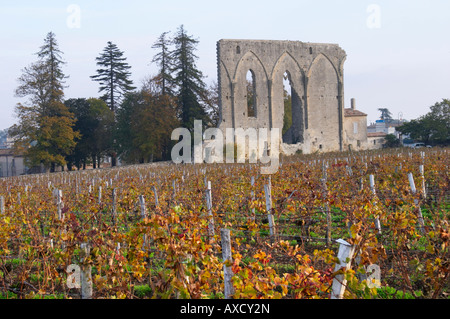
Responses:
[323,98]
[317,59]
[251,62]
[225,96]
[287,64]
[248,60]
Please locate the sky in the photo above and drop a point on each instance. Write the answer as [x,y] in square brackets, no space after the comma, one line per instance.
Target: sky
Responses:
[398,51]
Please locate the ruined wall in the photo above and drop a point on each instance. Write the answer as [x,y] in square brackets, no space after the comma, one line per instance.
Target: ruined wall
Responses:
[316,77]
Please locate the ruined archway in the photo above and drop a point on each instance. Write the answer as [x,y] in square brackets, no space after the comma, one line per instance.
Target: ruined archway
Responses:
[324,105]
[288,72]
[314,72]
[250,63]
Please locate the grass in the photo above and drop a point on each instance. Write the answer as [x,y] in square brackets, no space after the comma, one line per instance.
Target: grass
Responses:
[142,291]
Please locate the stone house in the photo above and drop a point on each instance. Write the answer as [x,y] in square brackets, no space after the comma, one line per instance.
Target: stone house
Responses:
[11,164]
[355,128]
[376,140]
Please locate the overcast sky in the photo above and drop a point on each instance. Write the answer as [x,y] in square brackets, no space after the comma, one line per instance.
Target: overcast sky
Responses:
[398,51]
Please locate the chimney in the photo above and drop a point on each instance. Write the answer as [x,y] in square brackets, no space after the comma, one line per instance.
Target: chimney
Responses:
[353,104]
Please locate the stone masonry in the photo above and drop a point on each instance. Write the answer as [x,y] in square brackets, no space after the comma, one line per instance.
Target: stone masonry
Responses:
[316,76]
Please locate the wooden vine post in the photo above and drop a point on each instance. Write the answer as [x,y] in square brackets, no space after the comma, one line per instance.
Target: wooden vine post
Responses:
[211,231]
[227,260]
[268,194]
[156,196]
[252,194]
[99,195]
[327,206]
[114,205]
[2,205]
[345,255]
[424,190]
[416,202]
[59,203]
[372,187]
[85,272]
[143,216]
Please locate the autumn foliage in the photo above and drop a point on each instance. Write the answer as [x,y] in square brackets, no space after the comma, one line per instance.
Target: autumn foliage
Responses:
[170,249]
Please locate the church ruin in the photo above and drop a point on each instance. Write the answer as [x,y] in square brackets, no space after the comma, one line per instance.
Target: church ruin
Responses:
[315,73]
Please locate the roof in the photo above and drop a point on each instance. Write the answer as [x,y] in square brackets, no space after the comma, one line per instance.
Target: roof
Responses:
[376,134]
[352,112]
[8,152]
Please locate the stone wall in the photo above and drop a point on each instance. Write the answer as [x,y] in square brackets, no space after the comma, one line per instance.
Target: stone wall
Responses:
[315,72]
[355,128]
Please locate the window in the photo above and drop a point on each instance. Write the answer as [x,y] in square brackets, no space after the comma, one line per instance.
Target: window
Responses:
[293,112]
[251,94]
[238,50]
[355,128]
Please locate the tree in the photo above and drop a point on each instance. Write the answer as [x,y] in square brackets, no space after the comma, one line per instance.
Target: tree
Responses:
[287,119]
[113,75]
[103,128]
[83,125]
[95,123]
[164,61]
[45,129]
[52,58]
[386,115]
[432,128]
[145,122]
[391,141]
[191,89]
[212,104]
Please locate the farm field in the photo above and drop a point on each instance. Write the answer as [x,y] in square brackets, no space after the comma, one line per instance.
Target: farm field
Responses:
[155,231]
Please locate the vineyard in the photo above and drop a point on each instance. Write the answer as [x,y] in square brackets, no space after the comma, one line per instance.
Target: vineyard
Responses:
[156,231]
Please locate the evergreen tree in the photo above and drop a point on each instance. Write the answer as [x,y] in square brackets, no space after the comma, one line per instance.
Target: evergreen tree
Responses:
[52,57]
[164,61]
[45,129]
[191,90]
[113,76]
[95,123]
[386,115]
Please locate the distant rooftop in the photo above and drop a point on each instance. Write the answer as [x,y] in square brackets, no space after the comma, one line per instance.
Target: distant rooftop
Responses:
[353,112]
[376,134]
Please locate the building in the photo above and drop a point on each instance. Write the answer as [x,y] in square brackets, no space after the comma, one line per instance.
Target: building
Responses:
[11,164]
[385,126]
[376,140]
[355,128]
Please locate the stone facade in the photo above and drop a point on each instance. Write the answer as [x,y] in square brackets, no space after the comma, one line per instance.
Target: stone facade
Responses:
[355,128]
[11,164]
[316,76]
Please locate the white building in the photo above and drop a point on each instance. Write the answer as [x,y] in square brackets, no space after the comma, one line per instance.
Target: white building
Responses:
[387,127]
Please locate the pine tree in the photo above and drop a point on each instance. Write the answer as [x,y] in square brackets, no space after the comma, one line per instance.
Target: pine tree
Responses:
[52,57]
[192,91]
[45,129]
[164,61]
[113,75]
